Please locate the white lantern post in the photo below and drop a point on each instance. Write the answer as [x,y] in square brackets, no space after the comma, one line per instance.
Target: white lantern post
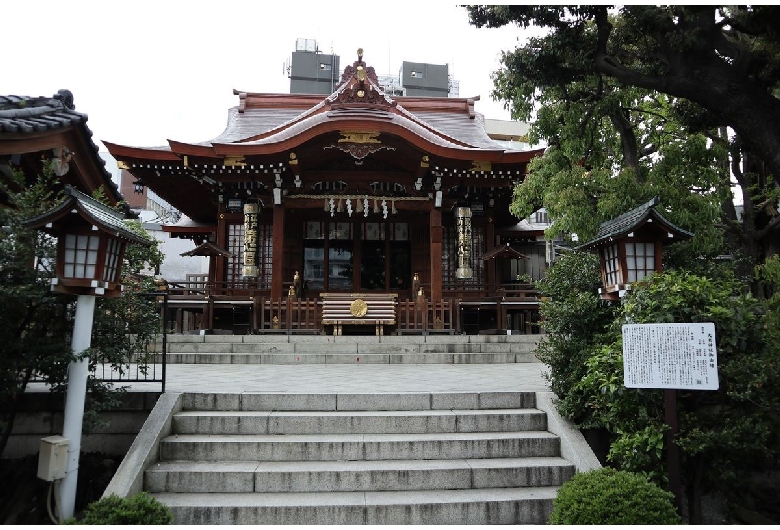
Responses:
[91,240]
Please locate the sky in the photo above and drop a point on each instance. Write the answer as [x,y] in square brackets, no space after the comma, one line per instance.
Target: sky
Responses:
[148,71]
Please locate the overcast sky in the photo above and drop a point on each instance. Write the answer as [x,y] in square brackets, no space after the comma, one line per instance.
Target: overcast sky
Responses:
[148,71]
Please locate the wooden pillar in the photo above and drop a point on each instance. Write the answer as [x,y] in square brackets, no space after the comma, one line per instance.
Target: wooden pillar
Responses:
[436,254]
[277,269]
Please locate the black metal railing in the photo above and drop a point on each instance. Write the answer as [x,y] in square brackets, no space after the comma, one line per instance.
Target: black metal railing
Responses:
[146,366]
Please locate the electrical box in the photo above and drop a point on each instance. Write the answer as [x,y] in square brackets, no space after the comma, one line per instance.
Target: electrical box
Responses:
[53,458]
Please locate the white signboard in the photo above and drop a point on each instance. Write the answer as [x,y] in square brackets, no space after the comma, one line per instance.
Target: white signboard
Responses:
[681,356]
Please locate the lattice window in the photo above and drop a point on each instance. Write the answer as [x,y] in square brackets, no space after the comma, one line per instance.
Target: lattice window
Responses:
[611,267]
[80,256]
[477,249]
[265,250]
[236,247]
[449,251]
[640,260]
[265,257]
[112,260]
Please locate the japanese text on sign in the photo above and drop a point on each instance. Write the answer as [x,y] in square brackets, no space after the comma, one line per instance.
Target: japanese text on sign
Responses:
[681,356]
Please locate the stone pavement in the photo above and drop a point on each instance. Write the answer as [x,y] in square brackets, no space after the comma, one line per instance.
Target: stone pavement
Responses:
[351,378]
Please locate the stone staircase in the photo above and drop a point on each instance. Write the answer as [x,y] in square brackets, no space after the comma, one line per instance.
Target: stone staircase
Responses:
[326,349]
[409,458]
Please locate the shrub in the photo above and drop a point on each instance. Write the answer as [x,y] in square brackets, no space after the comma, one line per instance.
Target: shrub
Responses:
[608,496]
[138,509]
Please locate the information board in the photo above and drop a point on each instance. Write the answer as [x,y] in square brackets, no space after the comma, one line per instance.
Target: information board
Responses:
[681,356]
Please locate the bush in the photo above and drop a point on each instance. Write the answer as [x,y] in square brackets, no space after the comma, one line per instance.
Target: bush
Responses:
[138,509]
[608,496]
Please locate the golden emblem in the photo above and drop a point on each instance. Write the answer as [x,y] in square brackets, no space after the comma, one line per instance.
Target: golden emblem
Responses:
[358,308]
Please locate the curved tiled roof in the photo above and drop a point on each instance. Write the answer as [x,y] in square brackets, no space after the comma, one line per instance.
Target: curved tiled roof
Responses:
[630,220]
[26,115]
[22,114]
[92,210]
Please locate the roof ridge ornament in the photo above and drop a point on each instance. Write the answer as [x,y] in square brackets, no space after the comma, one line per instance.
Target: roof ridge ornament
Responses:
[360,85]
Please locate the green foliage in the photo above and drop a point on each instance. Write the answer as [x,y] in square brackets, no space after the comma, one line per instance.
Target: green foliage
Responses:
[140,509]
[125,326]
[724,435]
[572,317]
[607,496]
[630,102]
[38,324]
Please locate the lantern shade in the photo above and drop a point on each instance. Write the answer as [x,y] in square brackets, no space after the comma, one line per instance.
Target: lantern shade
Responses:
[91,240]
[630,247]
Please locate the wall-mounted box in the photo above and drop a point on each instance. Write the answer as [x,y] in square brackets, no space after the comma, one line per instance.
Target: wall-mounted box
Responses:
[53,458]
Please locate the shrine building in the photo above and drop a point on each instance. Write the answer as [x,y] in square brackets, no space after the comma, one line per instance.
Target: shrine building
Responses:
[305,204]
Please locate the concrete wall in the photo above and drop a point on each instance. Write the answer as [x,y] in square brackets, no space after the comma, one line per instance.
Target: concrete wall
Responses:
[41,415]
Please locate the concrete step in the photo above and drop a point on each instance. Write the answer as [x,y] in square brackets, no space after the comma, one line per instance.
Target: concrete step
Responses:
[309,447]
[345,358]
[403,458]
[370,422]
[483,506]
[259,401]
[343,476]
[323,349]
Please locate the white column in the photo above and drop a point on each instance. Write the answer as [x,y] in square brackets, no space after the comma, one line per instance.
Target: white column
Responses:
[74,401]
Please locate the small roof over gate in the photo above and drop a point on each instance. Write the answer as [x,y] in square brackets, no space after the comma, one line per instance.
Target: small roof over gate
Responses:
[207,249]
[504,251]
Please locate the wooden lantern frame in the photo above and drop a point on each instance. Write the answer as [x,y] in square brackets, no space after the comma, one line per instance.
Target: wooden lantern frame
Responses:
[91,242]
[619,241]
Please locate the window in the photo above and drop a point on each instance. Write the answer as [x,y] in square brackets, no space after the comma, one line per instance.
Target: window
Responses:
[236,248]
[611,268]
[235,262]
[450,255]
[640,260]
[80,256]
[325,66]
[112,260]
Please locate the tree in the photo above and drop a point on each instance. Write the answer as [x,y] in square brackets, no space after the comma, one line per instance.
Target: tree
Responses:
[705,68]
[724,435]
[34,334]
[38,324]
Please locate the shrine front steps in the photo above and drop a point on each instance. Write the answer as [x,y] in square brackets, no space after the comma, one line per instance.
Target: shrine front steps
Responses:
[325,349]
[408,458]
